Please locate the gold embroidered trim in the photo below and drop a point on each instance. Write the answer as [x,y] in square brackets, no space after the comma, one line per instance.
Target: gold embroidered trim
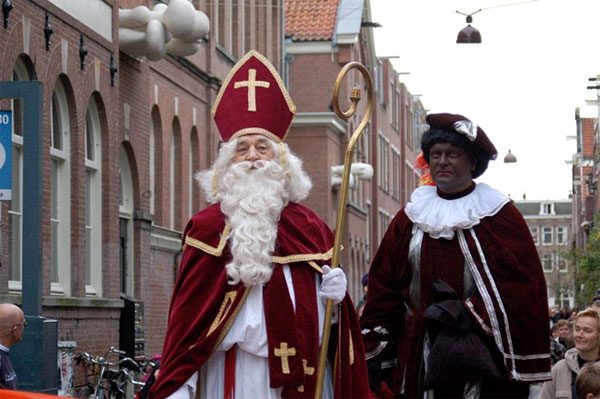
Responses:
[315,266]
[351,349]
[282,260]
[232,318]
[307,371]
[284,352]
[215,251]
[227,302]
[255,130]
[251,84]
[269,66]
[230,321]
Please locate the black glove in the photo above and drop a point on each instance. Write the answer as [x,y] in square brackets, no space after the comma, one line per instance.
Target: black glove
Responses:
[374,370]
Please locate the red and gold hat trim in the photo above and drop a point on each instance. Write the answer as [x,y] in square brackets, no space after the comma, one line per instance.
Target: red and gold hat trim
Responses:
[277,109]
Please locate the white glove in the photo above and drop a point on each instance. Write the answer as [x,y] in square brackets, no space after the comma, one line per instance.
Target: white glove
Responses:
[334,284]
[535,389]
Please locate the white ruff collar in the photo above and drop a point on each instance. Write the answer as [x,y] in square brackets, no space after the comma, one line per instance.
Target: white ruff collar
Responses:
[440,217]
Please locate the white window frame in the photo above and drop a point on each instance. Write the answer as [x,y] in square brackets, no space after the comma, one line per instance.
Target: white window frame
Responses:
[383,221]
[93,203]
[560,261]
[548,258]
[396,170]
[547,208]
[60,218]
[383,162]
[535,234]
[126,208]
[551,231]
[173,160]
[562,231]
[15,213]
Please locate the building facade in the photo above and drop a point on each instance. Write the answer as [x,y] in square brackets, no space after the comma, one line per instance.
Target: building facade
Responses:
[550,224]
[322,37]
[123,136]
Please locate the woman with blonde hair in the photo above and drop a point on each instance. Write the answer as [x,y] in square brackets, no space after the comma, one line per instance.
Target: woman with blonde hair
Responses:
[587,350]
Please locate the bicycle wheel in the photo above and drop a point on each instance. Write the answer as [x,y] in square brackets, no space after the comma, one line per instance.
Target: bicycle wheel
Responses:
[86,392]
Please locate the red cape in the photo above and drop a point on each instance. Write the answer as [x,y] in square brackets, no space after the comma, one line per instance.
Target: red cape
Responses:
[204,305]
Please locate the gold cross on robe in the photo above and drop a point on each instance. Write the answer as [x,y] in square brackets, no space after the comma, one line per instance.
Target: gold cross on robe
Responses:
[307,371]
[251,84]
[284,352]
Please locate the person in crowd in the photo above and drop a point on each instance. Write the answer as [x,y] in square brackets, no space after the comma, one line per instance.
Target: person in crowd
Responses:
[586,350]
[247,312]
[587,384]
[449,281]
[555,314]
[557,350]
[361,305]
[565,333]
[12,325]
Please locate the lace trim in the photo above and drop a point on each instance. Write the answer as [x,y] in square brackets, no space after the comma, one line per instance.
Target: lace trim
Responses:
[440,217]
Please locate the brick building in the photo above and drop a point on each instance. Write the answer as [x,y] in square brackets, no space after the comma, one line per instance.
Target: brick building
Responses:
[321,39]
[550,223]
[119,153]
[585,178]
[122,137]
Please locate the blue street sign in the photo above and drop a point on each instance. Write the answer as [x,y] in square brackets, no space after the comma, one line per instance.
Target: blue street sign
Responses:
[5,155]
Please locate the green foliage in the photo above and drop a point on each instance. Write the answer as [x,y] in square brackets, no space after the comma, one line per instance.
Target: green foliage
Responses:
[587,278]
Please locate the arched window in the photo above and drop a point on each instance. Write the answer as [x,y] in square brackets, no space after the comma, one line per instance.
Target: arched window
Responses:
[175,180]
[154,167]
[93,201]
[126,238]
[193,167]
[15,212]
[60,193]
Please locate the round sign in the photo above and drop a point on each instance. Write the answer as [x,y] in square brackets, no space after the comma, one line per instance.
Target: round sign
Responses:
[2,156]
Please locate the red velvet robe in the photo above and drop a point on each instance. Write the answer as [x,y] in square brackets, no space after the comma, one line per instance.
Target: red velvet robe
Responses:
[204,306]
[515,270]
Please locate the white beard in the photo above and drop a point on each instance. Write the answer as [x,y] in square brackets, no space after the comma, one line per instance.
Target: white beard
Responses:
[253,200]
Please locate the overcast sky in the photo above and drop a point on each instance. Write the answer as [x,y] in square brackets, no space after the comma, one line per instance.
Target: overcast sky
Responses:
[521,84]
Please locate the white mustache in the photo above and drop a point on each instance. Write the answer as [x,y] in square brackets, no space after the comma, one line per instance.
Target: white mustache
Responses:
[250,165]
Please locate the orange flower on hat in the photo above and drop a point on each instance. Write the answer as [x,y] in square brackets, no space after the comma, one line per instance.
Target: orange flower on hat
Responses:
[423,167]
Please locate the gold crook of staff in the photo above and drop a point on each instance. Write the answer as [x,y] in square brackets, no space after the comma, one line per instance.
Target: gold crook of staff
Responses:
[355,97]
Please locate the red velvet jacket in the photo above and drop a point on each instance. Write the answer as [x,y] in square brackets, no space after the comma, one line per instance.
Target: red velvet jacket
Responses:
[512,269]
[204,306]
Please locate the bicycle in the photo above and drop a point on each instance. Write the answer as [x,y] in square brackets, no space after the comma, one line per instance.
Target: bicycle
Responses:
[106,379]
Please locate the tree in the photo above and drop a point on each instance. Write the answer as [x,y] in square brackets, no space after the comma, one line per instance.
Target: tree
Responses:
[587,277]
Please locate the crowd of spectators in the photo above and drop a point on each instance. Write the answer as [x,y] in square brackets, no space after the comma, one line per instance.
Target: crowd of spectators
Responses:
[575,352]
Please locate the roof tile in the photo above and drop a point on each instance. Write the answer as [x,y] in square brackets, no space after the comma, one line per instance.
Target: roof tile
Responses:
[310,20]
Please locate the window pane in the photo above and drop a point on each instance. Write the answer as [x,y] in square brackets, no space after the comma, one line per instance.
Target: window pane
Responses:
[547,263]
[88,229]
[54,220]
[89,137]
[56,127]
[15,245]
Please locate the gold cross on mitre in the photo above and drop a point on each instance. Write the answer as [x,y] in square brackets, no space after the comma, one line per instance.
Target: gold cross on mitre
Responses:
[251,84]
[307,371]
[284,352]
